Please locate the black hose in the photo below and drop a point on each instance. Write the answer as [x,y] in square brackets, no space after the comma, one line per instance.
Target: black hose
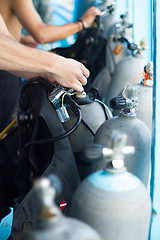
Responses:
[89,128]
[123,40]
[57,138]
[86,124]
[107,112]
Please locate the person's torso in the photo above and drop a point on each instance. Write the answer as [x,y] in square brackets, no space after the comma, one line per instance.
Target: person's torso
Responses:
[11,21]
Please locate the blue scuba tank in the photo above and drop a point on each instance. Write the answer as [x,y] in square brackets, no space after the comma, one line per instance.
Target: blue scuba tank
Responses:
[113,201]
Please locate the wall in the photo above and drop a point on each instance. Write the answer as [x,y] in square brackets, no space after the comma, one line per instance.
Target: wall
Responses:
[155,180]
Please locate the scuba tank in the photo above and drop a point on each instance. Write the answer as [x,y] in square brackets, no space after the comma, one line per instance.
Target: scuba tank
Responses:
[144,94]
[108,9]
[126,70]
[94,113]
[51,224]
[123,27]
[119,36]
[138,136]
[114,28]
[110,19]
[113,201]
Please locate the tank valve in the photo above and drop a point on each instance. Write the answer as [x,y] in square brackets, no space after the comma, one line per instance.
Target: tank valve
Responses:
[148,74]
[127,102]
[46,194]
[113,154]
[118,102]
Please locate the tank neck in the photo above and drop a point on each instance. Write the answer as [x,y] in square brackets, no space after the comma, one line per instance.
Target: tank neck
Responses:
[49,212]
[138,54]
[130,94]
[46,196]
[129,112]
[115,167]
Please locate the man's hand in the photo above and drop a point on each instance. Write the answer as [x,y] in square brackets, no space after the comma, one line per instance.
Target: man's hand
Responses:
[28,40]
[69,73]
[89,16]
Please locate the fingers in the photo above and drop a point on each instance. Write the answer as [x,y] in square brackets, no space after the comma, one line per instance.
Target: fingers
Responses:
[78,84]
[83,80]
[83,75]
[85,72]
[89,16]
[70,74]
[95,11]
[78,87]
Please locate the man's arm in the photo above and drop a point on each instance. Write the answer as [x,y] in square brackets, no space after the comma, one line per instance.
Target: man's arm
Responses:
[28,62]
[44,33]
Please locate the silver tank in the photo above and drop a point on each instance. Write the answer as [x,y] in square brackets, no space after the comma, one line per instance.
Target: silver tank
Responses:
[125,72]
[138,135]
[52,224]
[94,115]
[113,201]
[117,49]
[144,96]
[121,27]
[144,110]
[109,20]
[109,16]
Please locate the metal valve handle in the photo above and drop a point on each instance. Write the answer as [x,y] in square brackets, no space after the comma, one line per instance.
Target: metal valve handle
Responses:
[115,152]
[92,152]
[118,102]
